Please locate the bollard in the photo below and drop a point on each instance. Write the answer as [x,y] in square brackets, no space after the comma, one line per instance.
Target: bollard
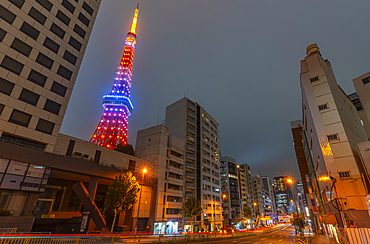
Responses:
[112,240]
[138,241]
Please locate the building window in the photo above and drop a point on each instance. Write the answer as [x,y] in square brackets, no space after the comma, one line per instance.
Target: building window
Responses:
[64,72]
[18,3]
[344,174]
[173,211]
[20,118]
[51,45]
[57,30]
[39,17]
[333,137]
[29,97]
[45,126]
[12,65]
[29,31]
[6,87]
[21,141]
[2,34]
[79,31]
[75,44]
[6,15]
[314,79]
[83,19]
[366,80]
[68,6]
[323,106]
[46,4]
[44,61]
[1,108]
[174,199]
[70,57]
[62,17]
[37,78]
[70,148]
[87,8]
[21,47]
[58,89]
[52,107]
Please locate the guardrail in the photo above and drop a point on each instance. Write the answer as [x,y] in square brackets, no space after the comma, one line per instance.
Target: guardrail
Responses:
[111,238]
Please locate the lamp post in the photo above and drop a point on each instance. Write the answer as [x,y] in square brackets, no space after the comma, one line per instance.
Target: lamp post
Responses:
[290,181]
[223,200]
[138,207]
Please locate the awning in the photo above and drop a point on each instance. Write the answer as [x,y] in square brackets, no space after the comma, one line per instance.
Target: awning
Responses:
[329,219]
[361,217]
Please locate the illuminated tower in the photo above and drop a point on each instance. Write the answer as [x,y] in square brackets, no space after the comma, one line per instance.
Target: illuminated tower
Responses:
[112,127]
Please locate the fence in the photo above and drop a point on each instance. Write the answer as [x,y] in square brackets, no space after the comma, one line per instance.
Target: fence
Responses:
[108,238]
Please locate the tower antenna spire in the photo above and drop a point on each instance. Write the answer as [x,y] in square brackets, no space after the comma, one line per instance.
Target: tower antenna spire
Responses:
[134,20]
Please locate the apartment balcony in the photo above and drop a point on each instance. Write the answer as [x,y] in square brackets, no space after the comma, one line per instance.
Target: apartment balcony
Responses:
[190,138]
[191,113]
[190,155]
[190,121]
[224,184]
[190,129]
[190,185]
[189,195]
[191,175]
[224,177]
[223,171]
[191,106]
[190,165]
[189,146]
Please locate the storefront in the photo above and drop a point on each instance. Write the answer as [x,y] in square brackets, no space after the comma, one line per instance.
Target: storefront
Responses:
[169,227]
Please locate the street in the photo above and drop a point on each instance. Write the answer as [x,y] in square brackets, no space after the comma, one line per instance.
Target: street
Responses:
[286,235]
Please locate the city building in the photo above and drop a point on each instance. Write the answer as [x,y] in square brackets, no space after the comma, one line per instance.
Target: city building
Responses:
[331,130]
[362,86]
[42,44]
[190,122]
[112,127]
[283,194]
[361,111]
[167,153]
[263,194]
[245,184]
[231,205]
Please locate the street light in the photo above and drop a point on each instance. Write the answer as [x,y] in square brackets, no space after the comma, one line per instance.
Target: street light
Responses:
[138,207]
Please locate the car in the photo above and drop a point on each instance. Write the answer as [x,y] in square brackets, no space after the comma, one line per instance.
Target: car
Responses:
[227,228]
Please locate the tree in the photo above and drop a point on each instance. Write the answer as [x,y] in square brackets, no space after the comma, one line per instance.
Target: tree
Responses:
[207,223]
[298,221]
[128,149]
[121,194]
[247,212]
[191,208]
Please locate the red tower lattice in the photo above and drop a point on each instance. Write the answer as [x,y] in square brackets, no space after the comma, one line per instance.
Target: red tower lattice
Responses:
[112,127]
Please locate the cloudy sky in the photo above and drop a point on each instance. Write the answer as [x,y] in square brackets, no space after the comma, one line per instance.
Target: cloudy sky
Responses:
[240,60]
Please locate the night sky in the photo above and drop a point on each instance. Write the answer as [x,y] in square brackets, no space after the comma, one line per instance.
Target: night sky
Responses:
[240,60]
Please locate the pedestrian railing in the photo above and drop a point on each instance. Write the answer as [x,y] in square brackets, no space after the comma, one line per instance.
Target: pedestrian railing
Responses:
[110,238]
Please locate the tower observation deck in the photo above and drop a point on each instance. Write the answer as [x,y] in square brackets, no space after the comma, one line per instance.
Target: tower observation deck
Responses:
[112,127]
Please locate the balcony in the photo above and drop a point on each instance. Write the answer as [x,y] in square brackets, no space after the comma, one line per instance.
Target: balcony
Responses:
[189,185]
[190,146]
[189,195]
[190,138]
[191,106]
[188,174]
[223,177]
[224,184]
[190,165]
[223,171]
[190,129]
[190,155]
[191,113]
[190,121]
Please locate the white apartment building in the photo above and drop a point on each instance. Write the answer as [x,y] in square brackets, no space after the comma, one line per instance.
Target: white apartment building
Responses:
[188,121]
[362,86]
[42,43]
[167,153]
[245,182]
[331,130]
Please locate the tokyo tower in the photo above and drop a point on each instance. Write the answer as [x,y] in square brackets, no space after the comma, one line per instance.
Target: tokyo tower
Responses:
[112,127]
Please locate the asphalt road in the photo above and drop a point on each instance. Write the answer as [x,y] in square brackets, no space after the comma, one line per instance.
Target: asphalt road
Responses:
[282,236]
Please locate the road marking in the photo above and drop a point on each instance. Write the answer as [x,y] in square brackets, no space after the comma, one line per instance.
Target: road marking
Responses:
[234,241]
[281,240]
[245,241]
[263,239]
[273,236]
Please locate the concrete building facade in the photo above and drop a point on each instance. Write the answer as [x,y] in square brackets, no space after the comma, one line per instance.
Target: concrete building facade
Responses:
[42,44]
[189,122]
[362,101]
[167,153]
[331,130]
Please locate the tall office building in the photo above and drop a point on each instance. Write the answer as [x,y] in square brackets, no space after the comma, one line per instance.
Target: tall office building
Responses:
[282,194]
[42,43]
[167,153]
[112,127]
[189,122]
[263,194]
[245,183]
[230,190]
[331,130]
